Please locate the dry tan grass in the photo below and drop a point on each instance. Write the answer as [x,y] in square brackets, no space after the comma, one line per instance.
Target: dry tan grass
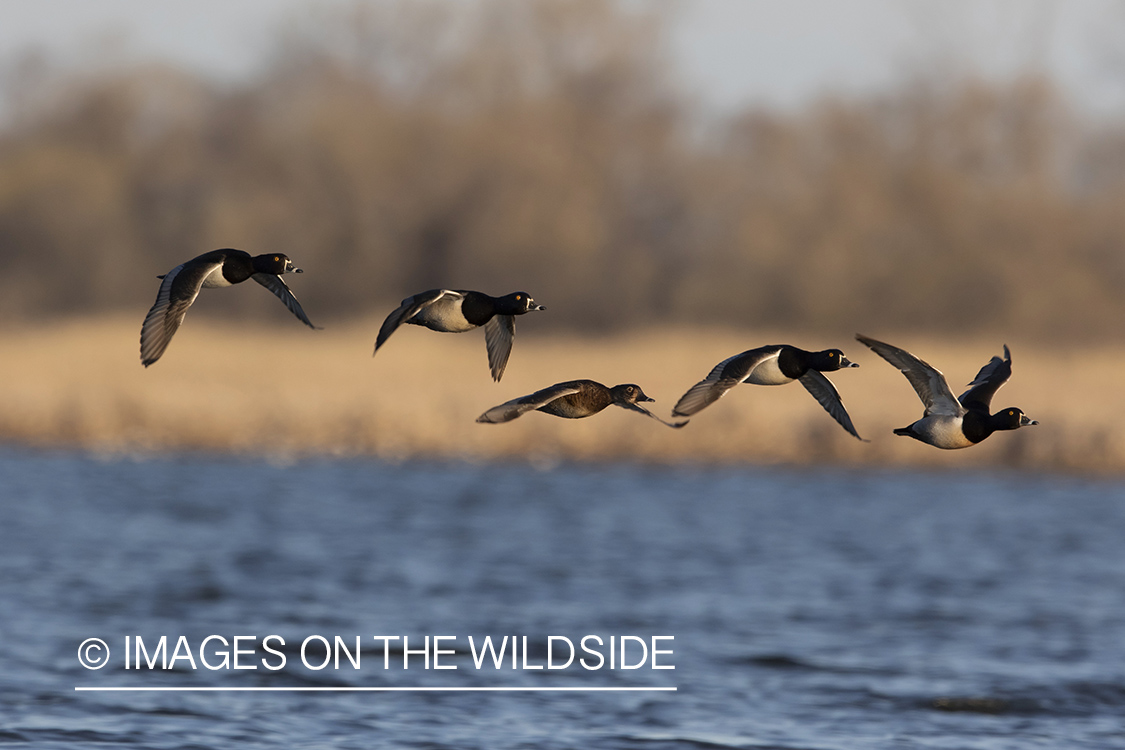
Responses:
[288,391]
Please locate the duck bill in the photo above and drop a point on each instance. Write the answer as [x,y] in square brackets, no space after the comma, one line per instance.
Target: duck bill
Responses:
[290,268]
[1026,421]
[845,362]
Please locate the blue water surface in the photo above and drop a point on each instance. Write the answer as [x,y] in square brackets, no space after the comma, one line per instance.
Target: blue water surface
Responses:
[813,609]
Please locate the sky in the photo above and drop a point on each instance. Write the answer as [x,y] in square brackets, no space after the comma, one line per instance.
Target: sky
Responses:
[731,53]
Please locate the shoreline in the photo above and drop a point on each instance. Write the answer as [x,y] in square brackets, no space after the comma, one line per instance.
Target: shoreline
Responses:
[257,391]
[548,464]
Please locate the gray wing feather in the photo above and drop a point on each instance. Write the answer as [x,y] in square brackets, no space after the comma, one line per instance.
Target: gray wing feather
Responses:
[498,334]
[165,316]
[827,396]
[277,285]
[407,310]
[723,376]
[509,410]
[927,380]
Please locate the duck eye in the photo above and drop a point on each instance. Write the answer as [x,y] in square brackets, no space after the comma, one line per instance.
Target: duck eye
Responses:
[831,354]
[519,297]
[1011,414]
[276,259]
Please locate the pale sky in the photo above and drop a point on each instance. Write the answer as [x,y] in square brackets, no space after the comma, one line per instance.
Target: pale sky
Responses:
[732,53]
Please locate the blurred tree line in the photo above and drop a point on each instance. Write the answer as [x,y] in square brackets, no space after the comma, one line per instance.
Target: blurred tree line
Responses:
[547,146]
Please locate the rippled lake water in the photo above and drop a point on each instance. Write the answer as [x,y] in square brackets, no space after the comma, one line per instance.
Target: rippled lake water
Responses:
[808,608]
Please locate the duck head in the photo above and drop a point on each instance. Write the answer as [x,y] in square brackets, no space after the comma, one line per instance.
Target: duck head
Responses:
[275,263]
[1012,418]
[517,303]
[831,360]
[628,393]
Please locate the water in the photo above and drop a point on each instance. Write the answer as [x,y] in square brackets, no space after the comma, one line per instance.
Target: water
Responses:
[810,608]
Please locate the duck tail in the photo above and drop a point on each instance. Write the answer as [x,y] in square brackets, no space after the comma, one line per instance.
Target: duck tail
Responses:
[904,431]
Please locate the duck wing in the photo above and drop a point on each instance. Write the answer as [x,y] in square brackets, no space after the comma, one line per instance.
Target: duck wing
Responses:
[277,285]
[825,393]
[408,309]
[927,380]
[499,332]
[723,376]
[178,290]
[988,381]
[509,410]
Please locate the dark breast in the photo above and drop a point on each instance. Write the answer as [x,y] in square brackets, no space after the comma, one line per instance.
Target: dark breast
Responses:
[477,308]
[237,266]
[976,425]
[791,363]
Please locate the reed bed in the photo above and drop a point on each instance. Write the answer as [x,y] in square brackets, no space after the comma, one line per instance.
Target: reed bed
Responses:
[287,392]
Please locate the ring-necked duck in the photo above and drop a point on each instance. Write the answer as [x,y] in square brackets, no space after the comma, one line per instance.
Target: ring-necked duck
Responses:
[950,422]
[217,268]
[773,365]
[457,311]
[574,399]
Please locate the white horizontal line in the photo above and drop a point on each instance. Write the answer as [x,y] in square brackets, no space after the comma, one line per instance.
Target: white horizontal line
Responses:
[377,689]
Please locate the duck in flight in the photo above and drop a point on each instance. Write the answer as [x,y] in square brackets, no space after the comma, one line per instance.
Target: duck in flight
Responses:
[574,399]
[217,268]
[773,365]
[457,311]
[950,422]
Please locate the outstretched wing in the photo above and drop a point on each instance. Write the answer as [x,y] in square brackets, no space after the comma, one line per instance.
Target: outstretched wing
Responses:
[408,309]
[927,380]
[642,410]
[498,334]
[509,410]
[988,381]
[277,285]
[827,396]
[179,289]
[723,376]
